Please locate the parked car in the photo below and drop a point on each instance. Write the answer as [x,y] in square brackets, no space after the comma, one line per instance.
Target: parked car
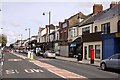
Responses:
[49,54]
[111,62]
[6,50]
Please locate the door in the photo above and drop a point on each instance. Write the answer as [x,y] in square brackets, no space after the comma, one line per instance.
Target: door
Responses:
[85,54]
[90,47]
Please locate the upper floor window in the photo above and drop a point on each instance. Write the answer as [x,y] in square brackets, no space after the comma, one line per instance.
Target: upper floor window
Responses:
[118,26]
[85,30]
[57,36]
[95,28]
[64,25]
[105,28]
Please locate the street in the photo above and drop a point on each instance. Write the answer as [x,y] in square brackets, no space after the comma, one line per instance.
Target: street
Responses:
[18,66]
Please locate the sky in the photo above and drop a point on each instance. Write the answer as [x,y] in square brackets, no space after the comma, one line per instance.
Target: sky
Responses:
[18,15]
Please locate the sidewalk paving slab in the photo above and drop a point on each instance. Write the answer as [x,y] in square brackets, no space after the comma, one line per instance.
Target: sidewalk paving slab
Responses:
[87,62]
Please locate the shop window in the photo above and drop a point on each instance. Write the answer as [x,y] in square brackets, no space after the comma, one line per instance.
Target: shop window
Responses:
[90,47]
[97,51]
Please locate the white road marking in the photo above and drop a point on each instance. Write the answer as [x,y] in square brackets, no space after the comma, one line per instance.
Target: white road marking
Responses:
[14,59]
[29,71]
[60,72]
[25,70]
[11,71]
[56,73]
[33,70]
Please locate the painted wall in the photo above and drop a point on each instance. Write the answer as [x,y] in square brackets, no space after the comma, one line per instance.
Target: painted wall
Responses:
[113,24]
[108,47]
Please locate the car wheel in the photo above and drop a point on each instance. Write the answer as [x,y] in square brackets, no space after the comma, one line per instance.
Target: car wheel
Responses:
[103,66]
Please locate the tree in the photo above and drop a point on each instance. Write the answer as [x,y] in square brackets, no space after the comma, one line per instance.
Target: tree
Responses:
[3,40]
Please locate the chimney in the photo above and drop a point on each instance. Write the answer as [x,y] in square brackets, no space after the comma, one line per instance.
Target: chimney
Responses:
[97,8]
[60,24]
[113,4]
[47,28]
[52,26]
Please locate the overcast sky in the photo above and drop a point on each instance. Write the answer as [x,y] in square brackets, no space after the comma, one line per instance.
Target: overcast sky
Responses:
[17,15]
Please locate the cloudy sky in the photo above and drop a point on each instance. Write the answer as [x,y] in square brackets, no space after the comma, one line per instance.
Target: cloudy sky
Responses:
[18,15]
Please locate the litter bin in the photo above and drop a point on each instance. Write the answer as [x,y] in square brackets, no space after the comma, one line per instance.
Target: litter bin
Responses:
[79,58]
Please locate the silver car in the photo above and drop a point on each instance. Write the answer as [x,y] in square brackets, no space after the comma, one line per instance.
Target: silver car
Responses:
[50,54]
[111,62]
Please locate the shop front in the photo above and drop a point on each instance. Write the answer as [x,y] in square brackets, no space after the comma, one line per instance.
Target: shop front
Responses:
[111,44]
[75,47]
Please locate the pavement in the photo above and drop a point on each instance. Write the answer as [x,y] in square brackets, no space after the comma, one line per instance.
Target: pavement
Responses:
[87,62]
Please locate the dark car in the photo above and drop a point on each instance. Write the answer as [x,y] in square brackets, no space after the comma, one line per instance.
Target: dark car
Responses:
[111,62]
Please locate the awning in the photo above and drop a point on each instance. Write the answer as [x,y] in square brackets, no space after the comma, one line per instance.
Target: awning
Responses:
[77,41]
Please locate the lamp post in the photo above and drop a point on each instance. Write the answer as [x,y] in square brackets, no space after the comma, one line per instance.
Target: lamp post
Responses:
[21,38]
[49,13]
[29,35]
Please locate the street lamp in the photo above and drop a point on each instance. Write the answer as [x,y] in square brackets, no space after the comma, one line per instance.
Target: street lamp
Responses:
[49,13]
[21,38]
[29,35]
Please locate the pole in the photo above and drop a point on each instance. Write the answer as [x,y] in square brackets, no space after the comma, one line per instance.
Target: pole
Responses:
[49,29]
[21,40]
[29,37]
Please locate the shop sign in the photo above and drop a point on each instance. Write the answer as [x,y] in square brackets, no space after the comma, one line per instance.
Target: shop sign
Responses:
[117,34]
[73,45]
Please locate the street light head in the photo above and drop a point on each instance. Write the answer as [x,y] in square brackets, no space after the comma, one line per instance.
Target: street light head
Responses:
[43,13]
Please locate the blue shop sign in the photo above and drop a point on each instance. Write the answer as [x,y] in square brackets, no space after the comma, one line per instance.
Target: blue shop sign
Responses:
[73,45]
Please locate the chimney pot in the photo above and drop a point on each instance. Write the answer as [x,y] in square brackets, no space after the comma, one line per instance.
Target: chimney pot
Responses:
[97,8]
[113,4]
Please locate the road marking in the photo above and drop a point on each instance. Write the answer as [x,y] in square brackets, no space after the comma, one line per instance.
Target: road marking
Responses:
[11,71]
[60,72]
[14,59]
[33,70]
[25,70]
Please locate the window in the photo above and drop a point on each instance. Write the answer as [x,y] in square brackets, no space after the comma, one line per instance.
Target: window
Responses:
[90,47]
[95,28]
[97,51]
[105,28]
[74,32]
[71,34]
[57,36]
[114,57]
[85,30]
[118,26]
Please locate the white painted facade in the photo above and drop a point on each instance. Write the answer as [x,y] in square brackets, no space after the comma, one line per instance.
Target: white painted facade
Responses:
[80,29]
[113,23]
[86,44]
[72,33]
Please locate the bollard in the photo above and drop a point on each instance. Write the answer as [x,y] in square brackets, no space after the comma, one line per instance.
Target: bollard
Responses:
[32,55]
[29,53]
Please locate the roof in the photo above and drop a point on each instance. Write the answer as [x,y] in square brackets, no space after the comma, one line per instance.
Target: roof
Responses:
[110,12]
[79,14]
